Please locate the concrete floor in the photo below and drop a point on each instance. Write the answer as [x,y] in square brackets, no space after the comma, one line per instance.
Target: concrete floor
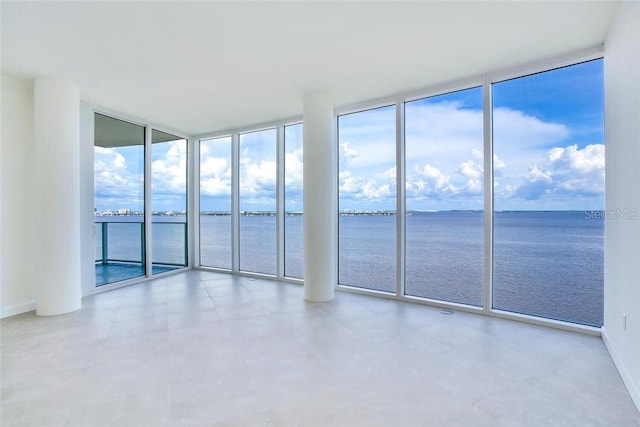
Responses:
[209,349]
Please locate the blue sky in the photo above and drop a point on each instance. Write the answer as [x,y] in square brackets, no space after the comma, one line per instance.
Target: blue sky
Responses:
[258,170]
[558,160]
[548,147]
[169,176]
[119,177]
[548,154]
[215,174]
[293,161]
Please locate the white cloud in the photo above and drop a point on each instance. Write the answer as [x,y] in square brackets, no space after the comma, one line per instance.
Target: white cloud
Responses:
[350,184]
[109,168]
[536,174]
[442,133]
[116,186]
[444,154]
[427,182]
[215,176]
[444,161]
[379,188]
[371,191]
[346,154]
[438,180]
[293,171]
[517,130]
[367,159]
[257,182]
[257,178]
[474,172]
[170,171]
[564,171]
[470,169]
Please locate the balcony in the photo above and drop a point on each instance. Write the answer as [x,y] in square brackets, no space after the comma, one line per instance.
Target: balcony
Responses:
[120,249]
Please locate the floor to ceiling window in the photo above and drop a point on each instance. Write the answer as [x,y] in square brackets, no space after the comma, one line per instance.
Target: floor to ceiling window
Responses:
[119,199]
[444,197]
[293,202]
[215,203]
[168,201]
[367,199]
[548,131]
[536,140]
[257,201]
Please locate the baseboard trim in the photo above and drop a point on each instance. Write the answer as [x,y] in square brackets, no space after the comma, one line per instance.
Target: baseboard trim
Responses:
[17,309]
[629,382]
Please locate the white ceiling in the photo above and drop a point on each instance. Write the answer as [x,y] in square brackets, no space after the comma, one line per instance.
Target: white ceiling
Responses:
[206,66]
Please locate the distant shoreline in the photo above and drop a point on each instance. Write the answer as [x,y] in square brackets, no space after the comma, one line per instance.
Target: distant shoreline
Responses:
[343,213]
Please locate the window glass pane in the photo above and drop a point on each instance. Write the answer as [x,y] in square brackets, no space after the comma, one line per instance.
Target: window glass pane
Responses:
[549,193]
[258,201]
[118,199]
[444,197]
[168,201]
[215,202]
[367,199]
[293,220]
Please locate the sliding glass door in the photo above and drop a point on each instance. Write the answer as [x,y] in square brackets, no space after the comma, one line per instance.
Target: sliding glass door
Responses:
[123,246]
[119,206]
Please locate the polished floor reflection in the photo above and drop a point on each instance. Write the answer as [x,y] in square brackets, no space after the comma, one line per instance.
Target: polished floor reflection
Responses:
[208,349]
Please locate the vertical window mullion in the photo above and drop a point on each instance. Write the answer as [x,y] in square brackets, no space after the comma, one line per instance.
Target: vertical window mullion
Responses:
[487,109]
[280,201]
[400,199]
[147,201]
[193,210]
[235,203]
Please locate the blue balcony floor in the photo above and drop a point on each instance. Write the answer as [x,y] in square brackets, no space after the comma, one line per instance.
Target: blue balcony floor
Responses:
[115,272]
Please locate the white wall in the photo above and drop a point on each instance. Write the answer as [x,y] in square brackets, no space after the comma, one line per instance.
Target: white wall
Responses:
[622,250]
[16,170]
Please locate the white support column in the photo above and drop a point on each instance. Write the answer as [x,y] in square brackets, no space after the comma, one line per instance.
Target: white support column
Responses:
[56,251]
[320,198]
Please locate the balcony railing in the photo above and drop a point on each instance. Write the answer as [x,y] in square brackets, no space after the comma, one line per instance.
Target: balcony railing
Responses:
[123,242]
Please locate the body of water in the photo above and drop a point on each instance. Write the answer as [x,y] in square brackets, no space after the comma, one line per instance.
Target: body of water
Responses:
[548,264]
[125,236]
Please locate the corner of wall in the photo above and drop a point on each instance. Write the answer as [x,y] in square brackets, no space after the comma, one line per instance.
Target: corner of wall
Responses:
[17,309]
[628,380]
